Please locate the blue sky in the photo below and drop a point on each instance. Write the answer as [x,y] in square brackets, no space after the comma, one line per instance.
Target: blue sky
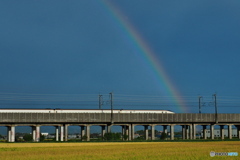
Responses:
[65,53]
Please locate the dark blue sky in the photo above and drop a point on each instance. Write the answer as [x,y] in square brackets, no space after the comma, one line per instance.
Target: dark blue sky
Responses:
[67,52]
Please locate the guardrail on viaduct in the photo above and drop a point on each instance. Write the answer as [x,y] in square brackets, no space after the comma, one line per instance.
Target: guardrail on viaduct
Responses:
[117,118]
[188,121]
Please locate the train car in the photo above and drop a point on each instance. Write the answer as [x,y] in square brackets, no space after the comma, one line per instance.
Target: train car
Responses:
[82,111]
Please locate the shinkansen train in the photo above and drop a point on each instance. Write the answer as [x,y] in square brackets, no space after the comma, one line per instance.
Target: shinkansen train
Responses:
[81,111]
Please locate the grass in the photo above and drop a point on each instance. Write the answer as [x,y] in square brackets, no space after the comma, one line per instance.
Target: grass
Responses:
[117,150]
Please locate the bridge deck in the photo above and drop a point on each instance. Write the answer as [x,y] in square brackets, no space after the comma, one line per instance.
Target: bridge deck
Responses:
[117,118]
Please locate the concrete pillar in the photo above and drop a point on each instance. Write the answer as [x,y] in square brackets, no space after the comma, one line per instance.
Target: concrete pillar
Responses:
[11,133]
[133,131]
[88,132]
[66,132]
[38,133]
[191,131]
[212,131]
[34,133]
[187,132]
[82,132]
[56,133]
[230,131]
[204,132]
[61,133]
[238,131]
[103,131]
[123,132]
[109,128]
[165,129]
[129,132]
[146,132]
[183,132]
[222,131]
[8,134]
[194,131]
[172,131]
[153,131]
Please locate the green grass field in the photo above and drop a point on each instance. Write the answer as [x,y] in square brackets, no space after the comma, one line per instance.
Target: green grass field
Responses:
[117,150]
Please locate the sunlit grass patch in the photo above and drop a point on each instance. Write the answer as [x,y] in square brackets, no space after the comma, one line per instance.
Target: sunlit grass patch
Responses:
[134,150]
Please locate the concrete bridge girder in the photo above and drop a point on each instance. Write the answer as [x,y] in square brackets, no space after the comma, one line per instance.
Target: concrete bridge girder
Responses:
[189,120]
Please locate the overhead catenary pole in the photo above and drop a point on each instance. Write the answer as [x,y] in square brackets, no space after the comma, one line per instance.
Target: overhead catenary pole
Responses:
[215,104]
[199,103]
[111,102]
[100,101]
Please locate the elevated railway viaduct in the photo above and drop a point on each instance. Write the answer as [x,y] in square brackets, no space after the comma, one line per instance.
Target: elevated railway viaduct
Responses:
[128,121]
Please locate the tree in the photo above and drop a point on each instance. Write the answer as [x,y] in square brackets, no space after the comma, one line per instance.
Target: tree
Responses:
[125,137]
[163,136]
[140,132]
[42,137]
[112,136]
[84,138]
[1,136]
[28,137]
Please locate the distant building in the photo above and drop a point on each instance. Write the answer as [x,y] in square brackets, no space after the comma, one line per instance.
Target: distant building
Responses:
[136,135]
[72,136]
[217,133]
[44,134]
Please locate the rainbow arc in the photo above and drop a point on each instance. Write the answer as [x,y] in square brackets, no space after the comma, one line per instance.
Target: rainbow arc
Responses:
[147,54]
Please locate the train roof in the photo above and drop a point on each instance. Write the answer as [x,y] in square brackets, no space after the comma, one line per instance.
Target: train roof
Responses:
[80,109]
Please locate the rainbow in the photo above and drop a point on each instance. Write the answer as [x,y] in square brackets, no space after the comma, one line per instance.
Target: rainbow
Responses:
[147,54]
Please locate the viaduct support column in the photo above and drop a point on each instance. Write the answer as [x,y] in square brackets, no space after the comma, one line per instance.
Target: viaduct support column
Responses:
[222,131]
[204,132]
[11,133]
[172,131]
[183,132]
[129,132]
[56,133]
[109,128]
[37,133]
[66,132]
[194,130]
[238,132]
[61,133]
[132,131]
[82,132]
[191,131]
[165,129]
[187,131]
[123,132]
[212,131]
[146,132]
[103,131]
[88,132]
[34,133]
[153,131]
[8,134]
[230,131]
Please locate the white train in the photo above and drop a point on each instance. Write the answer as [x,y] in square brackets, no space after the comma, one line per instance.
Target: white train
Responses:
[81,111]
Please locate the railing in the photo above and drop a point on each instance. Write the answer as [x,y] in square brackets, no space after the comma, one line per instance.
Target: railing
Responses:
[117,118]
